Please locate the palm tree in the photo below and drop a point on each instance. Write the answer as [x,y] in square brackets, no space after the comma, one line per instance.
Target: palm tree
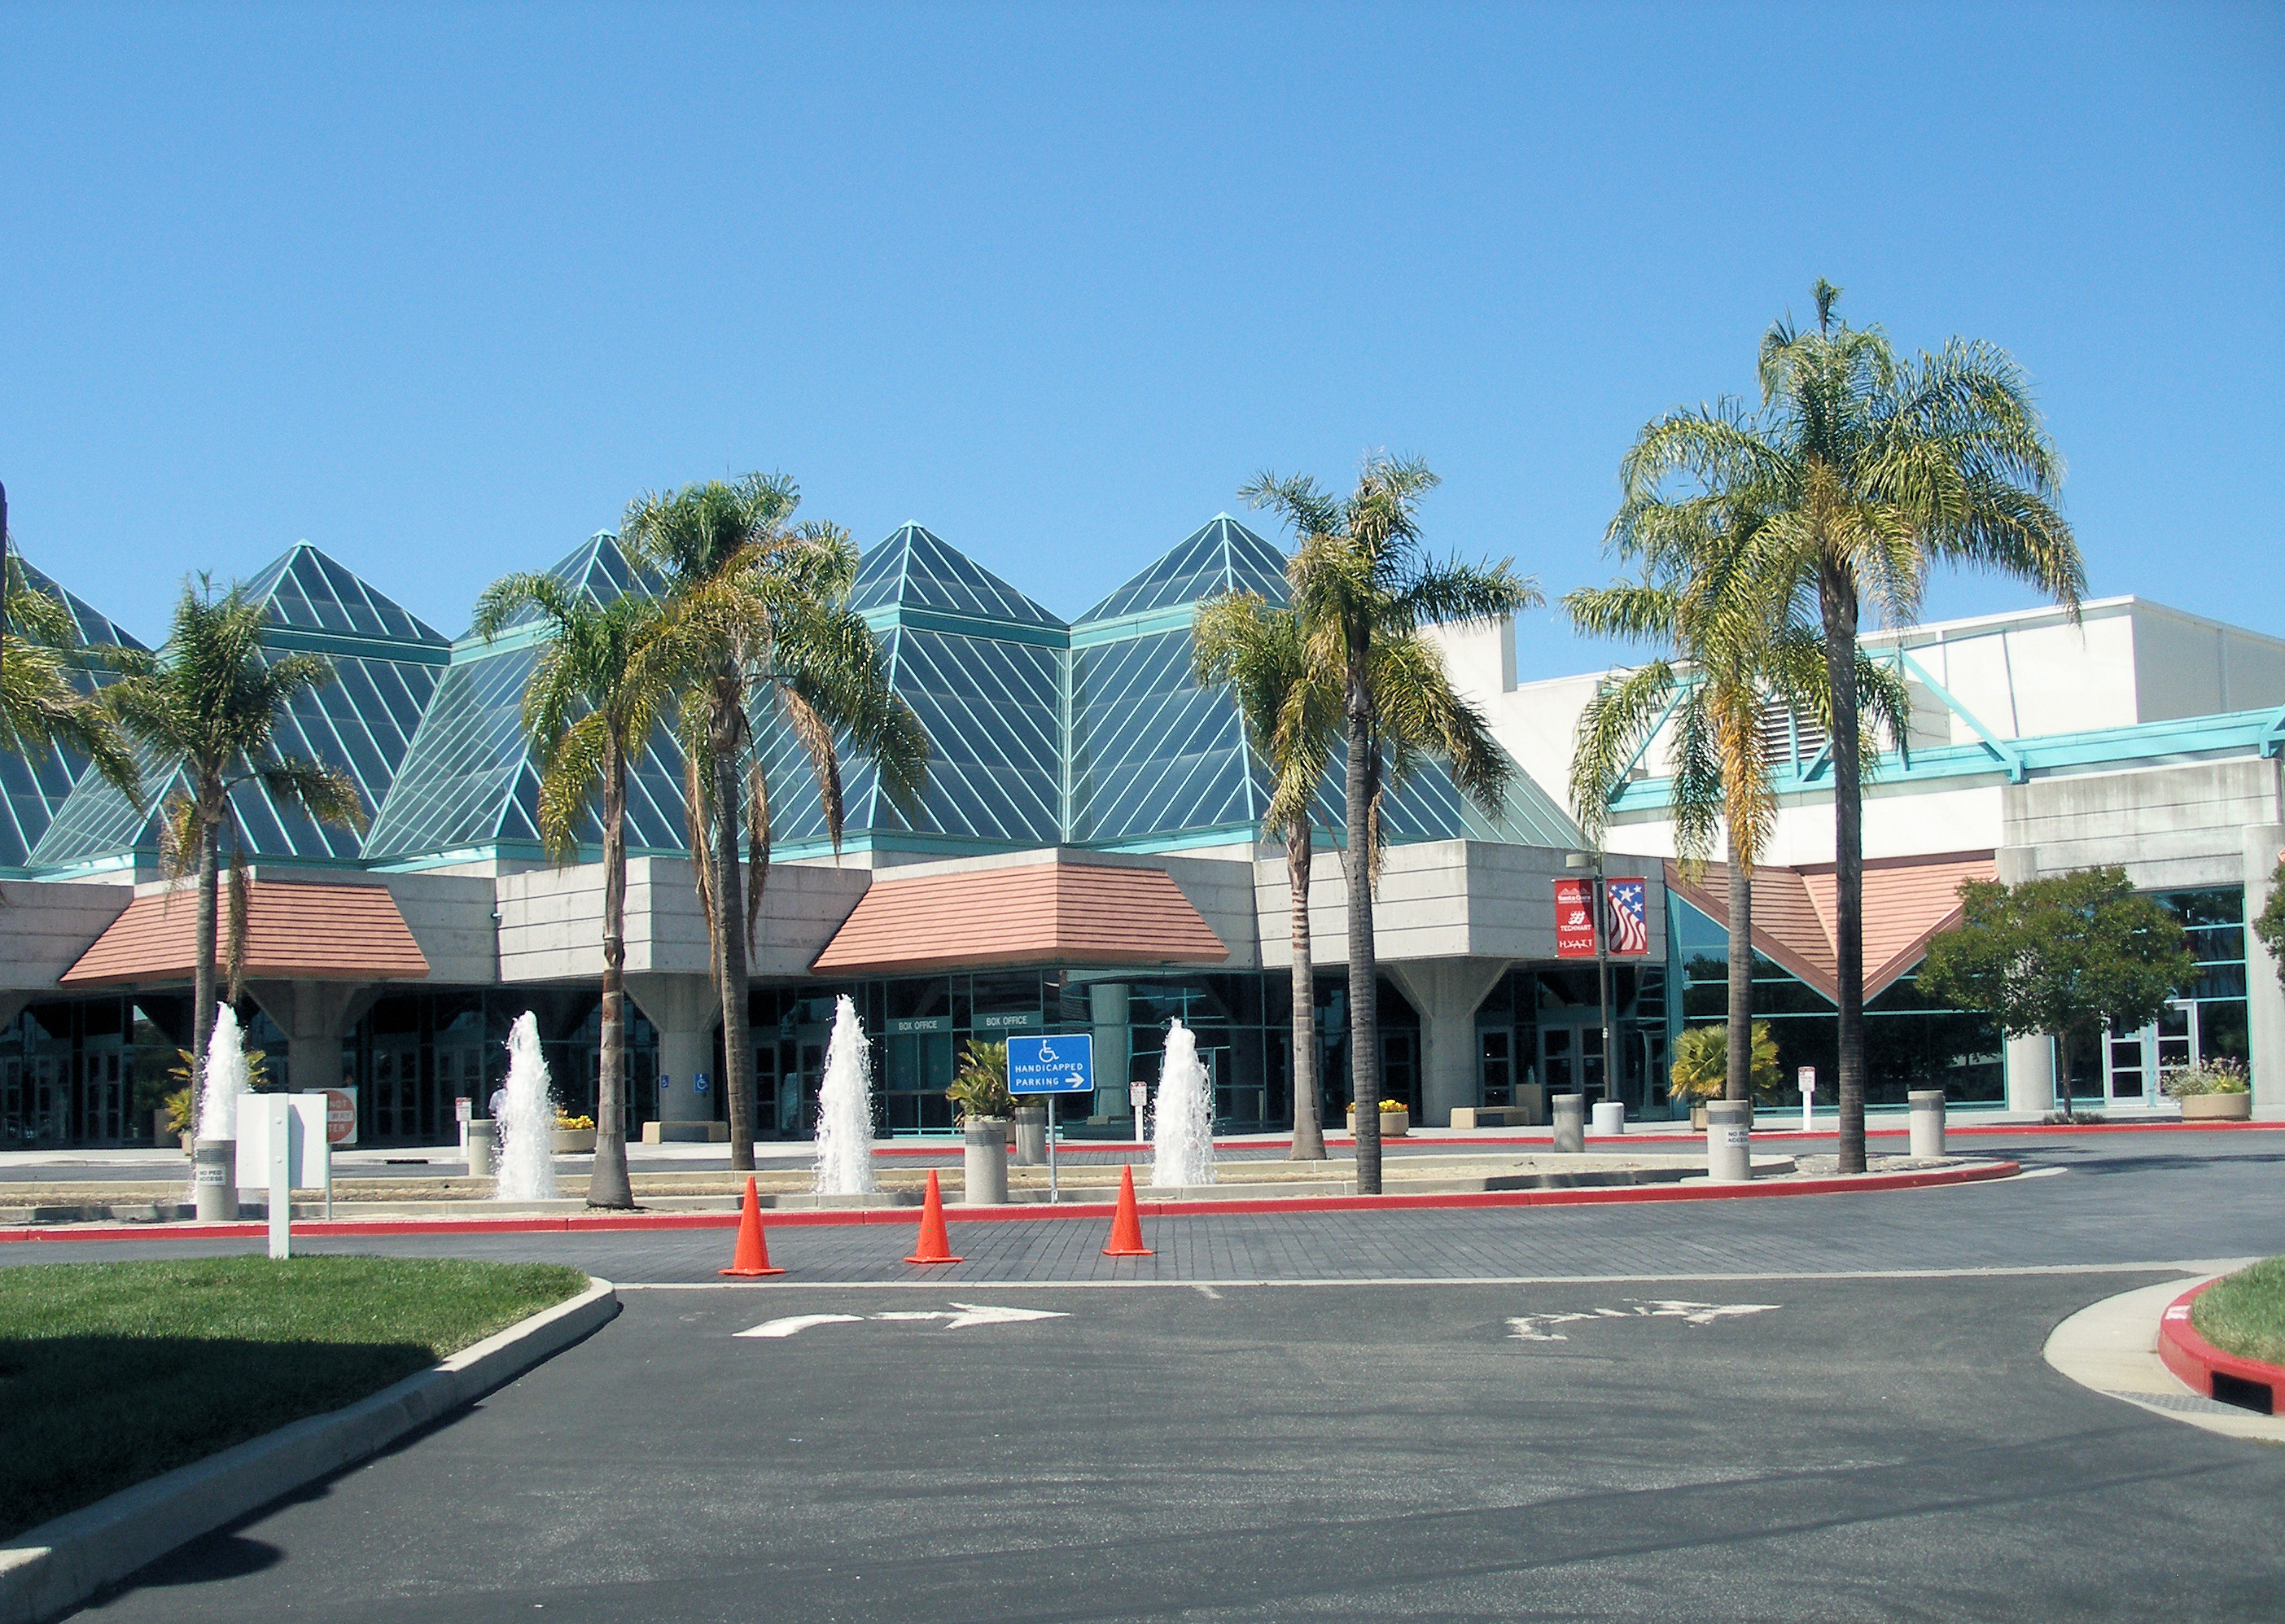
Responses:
[207,704]
[1290,721]
[1733,641]
[605,678]
[1867,472]
[41,708]
[766,604]
[1360,585]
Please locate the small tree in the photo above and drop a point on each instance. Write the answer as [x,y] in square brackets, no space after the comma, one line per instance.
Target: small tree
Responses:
[2062,956]
[2269,924]
[1701,1067]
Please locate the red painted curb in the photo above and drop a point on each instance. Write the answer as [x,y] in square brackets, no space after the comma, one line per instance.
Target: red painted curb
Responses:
[1252,1206]
[2196,1362]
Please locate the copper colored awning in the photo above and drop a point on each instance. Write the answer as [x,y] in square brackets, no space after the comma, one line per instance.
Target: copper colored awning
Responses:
[294,932]
[1907,901]
[1035,914]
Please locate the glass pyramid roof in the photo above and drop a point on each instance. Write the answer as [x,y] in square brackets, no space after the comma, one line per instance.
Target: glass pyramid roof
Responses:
[362,722]
[33,789]
[468,780]
[1220,556]
[913,569]
[309,592]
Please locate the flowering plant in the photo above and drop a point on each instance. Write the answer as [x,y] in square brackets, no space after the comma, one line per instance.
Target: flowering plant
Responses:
[1395,1105]
[572,1125]
[2207,1077]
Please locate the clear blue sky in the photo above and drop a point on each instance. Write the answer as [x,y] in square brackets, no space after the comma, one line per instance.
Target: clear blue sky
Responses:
[439,288]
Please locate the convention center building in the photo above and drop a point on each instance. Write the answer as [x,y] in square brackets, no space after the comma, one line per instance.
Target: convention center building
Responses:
[1089,858]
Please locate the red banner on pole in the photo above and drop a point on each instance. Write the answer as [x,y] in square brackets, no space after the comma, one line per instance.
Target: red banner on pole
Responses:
[1574,920]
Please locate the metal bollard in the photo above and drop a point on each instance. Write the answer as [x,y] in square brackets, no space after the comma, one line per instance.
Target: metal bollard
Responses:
[1031,1135]
[1729,1140]
[1928,1123]
[985,1164]
[1570,1123]
[483,1149]
[213,1177]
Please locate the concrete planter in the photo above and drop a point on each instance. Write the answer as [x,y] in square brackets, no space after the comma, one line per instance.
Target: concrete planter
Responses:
[2217,1107]
[575,1142]
[1393,1124]
[984,1162]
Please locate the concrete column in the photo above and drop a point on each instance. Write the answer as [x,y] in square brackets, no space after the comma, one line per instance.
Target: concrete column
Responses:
[2265,995]
[686,1009]
[1113,1048]
[1445,993]
[2030,1062]
[314,1015]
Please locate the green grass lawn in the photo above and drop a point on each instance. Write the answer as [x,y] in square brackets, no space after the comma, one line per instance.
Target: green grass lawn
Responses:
[2244,1314]
[111,1373]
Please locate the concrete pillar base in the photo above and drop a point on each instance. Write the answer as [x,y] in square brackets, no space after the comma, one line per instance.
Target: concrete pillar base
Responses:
[1928,1123]
[1570,1123]
[1729,1141]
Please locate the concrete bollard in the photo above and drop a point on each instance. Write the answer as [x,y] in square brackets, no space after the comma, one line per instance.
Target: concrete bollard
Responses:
[213,1177]
[1729,1141]
[1928,1123]
[483,1149]
[1610,1116]
[1570,1122]
[985,1164]
[1031,1135]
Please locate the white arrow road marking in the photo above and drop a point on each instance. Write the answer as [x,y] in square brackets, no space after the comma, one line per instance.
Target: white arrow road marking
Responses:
[976,1314]
[959,1317]
[799,1323]
[1539,1327]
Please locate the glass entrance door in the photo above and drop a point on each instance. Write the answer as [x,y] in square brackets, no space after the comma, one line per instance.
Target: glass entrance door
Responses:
[397,1089]
[1571,1060]
[2137,1061]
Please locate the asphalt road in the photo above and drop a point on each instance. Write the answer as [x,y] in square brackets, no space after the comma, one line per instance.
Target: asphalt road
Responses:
[1820,1407]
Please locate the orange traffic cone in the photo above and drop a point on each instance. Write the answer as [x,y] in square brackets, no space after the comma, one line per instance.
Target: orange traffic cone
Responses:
[935,1245]
[1127,1223]
[753,1253]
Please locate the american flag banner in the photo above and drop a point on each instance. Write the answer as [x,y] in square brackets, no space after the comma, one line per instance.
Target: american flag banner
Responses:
[1629,903]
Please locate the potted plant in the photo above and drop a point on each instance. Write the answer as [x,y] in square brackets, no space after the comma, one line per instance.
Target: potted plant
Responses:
[180,1117]
[1396,1119]
[574,1135]
[2212,1091]
[1701,1068]
[979,1084]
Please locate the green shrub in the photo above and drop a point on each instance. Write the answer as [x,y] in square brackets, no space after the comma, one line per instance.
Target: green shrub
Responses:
[1701,1064]
[979,1088]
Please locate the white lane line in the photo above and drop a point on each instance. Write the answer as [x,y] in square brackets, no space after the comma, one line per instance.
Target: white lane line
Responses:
[2165,1266]
[1209,1292]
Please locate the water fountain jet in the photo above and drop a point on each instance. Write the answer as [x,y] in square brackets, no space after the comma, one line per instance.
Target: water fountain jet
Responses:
[526,1121]
[844,1109]
[1182,1128]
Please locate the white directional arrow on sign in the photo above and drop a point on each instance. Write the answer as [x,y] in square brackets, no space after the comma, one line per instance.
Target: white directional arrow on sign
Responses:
[959,1317]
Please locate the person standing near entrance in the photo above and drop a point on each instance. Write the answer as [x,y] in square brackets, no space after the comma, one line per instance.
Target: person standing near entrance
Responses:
[498,1105]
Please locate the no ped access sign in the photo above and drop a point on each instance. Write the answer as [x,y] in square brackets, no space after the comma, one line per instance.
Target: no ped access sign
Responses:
[1051,1065]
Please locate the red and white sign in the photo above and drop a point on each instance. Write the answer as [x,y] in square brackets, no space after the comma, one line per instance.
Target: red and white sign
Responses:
[1628,904]
[341,1116]
[1574,920]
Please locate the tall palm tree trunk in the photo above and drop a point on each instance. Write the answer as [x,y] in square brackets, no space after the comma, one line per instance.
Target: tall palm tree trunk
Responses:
[1738,1081]
[1364,1015]
[1309,1132]
[607,1184]
[202,969]
[1837,601]
[730,945]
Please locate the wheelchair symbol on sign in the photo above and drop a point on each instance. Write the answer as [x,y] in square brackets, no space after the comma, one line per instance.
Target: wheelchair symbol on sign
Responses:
[1048,1056]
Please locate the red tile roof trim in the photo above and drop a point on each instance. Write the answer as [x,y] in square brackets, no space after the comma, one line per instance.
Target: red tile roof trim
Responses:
[294,932]
[1907,901]
[1035,913]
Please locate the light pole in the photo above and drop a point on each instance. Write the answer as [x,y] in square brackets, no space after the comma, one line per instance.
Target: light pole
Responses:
[1594,860]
